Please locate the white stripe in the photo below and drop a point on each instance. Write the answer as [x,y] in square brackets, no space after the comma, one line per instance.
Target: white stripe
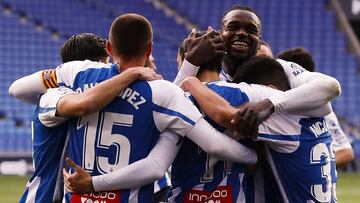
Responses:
[156,186]
[241,196]
[32,190]
[224,181]
[276,175]
[134,195]
[32,143]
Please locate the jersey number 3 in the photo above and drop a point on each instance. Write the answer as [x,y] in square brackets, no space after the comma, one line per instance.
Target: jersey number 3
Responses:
[320,193]
[103,131]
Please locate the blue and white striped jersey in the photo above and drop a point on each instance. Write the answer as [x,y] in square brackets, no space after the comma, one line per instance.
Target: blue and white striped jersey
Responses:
[300,154]
[48,135]
[126,130]
[196,175]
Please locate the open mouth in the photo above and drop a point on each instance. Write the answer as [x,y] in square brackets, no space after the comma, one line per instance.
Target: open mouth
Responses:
[240,44]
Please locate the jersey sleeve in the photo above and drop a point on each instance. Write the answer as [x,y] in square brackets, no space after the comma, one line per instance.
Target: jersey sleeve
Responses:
[255,93]
[67,72]
[323,89]
[47,105]
[172,110]
[147,170]
[340,140]
[187,69]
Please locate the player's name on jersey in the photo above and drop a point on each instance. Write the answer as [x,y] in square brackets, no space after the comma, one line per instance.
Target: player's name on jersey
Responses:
[319,128]
[133,97]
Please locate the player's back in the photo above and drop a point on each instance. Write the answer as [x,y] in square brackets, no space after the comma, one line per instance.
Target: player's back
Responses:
[125,130]
[195,174]
[300,155]
[48,136]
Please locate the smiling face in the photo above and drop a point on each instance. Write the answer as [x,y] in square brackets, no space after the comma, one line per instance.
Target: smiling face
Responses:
[241,33]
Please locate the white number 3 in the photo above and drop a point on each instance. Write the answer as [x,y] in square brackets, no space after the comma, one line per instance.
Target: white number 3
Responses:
[317,152]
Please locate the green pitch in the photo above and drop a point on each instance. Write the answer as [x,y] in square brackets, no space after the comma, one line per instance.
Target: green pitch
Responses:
[348,188]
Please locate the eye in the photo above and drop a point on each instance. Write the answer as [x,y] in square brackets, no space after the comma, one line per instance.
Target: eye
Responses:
[231,27]
[253,30]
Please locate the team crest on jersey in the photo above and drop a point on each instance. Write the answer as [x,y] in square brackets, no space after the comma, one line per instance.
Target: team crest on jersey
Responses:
[221,194]
[97,197]
[297,69]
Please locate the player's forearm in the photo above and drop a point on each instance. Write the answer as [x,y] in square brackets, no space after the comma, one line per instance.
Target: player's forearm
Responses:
[307,97]
[187,69]
[142,172]
[213,105]
[220,146]
[344,157]
[28,88]
[97,97]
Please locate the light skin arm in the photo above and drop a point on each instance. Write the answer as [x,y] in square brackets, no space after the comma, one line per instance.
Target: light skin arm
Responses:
[344,157]
[245,119]
[102,94]
[219,111]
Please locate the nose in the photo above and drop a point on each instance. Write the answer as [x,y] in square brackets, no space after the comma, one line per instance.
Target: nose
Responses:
[241,31]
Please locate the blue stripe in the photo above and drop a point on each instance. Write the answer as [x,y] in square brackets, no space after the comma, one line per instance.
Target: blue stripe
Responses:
[280,137]
[45,110]
[170,112]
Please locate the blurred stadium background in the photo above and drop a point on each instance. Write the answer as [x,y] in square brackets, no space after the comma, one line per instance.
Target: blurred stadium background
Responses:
[31,33]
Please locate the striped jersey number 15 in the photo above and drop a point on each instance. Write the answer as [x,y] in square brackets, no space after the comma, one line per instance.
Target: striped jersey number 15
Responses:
[106,138]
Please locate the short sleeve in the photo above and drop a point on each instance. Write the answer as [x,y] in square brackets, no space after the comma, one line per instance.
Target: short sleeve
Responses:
[172,110]
[47,106]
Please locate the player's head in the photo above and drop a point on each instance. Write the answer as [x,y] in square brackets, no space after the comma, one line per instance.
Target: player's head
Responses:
[264,49]
[84,46]
[241,31]
[300,56]
[213,65]
[263,70]
[130,38]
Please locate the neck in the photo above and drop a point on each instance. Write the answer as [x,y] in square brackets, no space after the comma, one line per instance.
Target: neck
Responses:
[208,76]
[230,65]
[125,63]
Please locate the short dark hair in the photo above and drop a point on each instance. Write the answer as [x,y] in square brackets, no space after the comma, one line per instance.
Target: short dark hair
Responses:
[300,56]
[130,34]
[262,70]
[243,8]
[83,46]
[212,65]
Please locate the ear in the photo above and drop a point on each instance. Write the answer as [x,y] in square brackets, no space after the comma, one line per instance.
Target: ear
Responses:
[149,49]
[109,49]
